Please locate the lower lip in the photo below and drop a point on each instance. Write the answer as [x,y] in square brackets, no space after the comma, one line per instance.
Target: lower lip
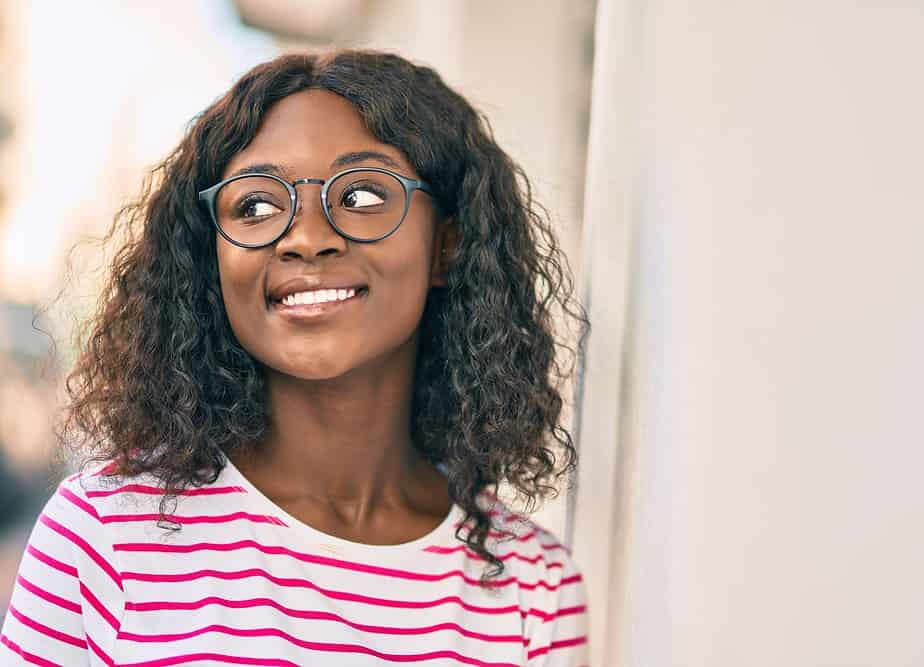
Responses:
[302,312]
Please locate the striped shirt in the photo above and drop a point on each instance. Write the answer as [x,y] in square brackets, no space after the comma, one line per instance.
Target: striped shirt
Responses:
[245,583]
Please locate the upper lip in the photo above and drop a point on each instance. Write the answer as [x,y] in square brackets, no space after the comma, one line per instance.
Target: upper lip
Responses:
[307,283]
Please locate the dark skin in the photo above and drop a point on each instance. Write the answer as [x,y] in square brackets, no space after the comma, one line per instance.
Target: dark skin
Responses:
[338,453]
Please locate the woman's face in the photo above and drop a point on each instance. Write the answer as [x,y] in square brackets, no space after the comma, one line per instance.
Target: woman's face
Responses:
[304,135]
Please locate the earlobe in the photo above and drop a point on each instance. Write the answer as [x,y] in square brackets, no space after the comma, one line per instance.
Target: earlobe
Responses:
[444,248]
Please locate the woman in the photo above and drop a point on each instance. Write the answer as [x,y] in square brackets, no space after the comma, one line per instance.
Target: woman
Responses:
[327,343]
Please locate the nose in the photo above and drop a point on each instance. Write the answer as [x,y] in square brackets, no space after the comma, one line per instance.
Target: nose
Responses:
[311,234]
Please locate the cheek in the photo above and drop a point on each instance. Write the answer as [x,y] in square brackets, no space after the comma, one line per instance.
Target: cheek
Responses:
[403,275]
[240,281]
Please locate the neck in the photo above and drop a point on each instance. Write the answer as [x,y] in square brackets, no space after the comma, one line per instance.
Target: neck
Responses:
[344,442]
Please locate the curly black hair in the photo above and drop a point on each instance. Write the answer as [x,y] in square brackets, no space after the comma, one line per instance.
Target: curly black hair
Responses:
[162,386]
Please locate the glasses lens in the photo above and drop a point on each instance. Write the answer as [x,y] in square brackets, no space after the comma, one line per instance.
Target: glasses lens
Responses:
[253,210]
[366,204]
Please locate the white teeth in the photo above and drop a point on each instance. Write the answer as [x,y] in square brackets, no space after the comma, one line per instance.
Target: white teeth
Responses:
[318,296]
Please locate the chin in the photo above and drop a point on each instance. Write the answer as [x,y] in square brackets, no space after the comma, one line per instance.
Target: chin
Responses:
[318,359]
[320,373]
[316,369]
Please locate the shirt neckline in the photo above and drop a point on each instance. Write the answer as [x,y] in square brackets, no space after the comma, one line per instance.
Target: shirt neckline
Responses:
[442,534]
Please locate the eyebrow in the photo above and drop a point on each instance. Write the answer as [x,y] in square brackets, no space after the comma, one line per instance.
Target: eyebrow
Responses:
[263,168]
[362,156]
[353,157]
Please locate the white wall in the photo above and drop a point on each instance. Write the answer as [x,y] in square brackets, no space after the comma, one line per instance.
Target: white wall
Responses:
[768,498]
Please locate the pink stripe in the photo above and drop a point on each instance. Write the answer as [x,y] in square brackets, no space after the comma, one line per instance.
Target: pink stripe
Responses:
[526,521]
[326,646]
[79,502]
[109,467]
[567,611]
[542,584]
[291,582]
[562,643]
[501,534]
[522,538]
[48,596]
[156,490]
[79,541]
[508,516]
[536,533]
[474,556]
[545,616]
[320,560]
[546,585]
[98,606]
[100,653]
[214,657]
[573,579]
[51,562]
[305,614]
[221,518]
[25,655]
[45,630]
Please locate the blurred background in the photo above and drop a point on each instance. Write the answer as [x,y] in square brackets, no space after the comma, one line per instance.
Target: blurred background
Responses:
[739,188]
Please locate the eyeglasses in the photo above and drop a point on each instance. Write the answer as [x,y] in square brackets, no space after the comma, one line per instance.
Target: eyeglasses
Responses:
[364,204]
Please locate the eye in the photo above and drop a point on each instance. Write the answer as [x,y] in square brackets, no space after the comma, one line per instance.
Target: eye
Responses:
[256,207]
[363,195]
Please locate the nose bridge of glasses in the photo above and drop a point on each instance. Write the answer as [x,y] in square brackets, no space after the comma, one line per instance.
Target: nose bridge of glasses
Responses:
[308,181]
[301,199]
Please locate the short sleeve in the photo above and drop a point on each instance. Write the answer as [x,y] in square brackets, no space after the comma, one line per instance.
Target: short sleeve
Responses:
[561,640]
[67,599]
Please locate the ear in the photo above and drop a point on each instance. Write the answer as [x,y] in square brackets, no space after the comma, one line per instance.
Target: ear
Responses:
[445,242]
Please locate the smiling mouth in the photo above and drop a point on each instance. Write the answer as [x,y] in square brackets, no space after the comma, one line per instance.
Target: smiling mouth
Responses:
[313,304]
[319,297]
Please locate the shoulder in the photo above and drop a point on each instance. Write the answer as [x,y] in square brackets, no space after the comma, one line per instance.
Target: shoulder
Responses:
[94,512]
[94,508]
[114,498]
[531,548]
[553,592]
[73,520]
[69,585]
[98,491]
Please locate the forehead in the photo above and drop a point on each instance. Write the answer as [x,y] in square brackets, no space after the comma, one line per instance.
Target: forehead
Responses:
[306,131]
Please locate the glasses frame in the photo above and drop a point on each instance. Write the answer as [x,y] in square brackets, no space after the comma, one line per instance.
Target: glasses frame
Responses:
[209,195]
